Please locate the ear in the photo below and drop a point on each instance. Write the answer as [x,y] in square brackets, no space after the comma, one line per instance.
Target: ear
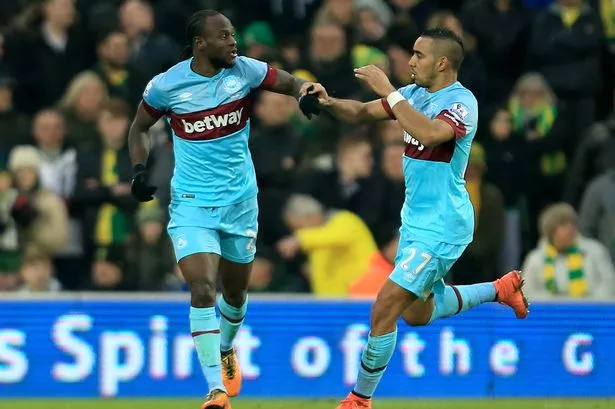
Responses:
[199,43]
[442,63]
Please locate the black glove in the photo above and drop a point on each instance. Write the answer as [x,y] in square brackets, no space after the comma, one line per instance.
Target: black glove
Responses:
[140,188]
[23,211]
[309,104]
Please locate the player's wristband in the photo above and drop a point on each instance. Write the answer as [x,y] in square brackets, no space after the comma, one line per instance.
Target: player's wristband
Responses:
[395,98]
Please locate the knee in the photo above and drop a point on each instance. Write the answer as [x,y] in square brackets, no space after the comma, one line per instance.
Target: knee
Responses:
[235,298]
[415,320]
[202,292]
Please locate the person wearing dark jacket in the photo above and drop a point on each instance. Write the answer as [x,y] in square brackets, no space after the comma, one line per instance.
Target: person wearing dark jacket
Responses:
[565,47]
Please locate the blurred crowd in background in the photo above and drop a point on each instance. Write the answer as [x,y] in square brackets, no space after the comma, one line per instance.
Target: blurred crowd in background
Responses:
[541,175]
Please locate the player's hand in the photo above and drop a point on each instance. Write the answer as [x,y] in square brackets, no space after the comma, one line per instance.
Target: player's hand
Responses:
[140,187]
[308,102]
[376,79]
[313,88]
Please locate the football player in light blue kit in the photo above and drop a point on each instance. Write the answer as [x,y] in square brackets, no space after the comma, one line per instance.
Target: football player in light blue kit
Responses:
[207,99]
[439,117]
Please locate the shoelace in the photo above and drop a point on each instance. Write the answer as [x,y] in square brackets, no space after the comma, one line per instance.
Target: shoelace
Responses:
[229,368]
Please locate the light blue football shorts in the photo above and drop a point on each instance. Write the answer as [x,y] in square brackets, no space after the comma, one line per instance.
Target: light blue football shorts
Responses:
[420,266]
[229,231]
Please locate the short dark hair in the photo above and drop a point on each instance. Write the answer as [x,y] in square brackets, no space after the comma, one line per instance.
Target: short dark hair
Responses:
[104,36]
[193,29]
[453,50]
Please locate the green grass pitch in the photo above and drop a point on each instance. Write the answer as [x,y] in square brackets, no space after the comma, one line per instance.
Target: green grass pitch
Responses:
[311,404]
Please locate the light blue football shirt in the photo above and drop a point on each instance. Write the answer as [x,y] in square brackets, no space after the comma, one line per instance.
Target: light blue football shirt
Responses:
[437,206]
[210,121]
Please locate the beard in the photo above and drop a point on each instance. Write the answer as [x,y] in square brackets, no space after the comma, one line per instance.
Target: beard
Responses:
[222,63]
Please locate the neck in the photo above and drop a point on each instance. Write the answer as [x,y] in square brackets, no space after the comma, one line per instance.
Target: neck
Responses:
[114,145]
[55,29]
[346,175]
[203,66]
[443,81]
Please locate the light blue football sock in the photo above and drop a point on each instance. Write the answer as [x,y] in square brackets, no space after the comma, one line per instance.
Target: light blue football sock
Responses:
[456,299]
[375,358]
[231,319]
[206,336]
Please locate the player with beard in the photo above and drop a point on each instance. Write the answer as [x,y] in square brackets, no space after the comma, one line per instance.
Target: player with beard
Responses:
[439,117]
[206,99]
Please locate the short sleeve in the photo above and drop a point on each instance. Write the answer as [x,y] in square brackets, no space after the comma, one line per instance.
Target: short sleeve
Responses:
[461,115]
[154,98]
[258,73]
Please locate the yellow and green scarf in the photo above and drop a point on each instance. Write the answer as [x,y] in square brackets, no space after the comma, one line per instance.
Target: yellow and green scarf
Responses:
[574,261]
[112,225]
[607,12]
[552,163]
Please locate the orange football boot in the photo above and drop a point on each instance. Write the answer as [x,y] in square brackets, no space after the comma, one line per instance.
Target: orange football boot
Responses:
[231,374]
[352,401]
[216,399]
[509,291]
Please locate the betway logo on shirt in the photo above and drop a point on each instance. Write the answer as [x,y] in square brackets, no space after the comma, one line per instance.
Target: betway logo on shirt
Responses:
[211,122]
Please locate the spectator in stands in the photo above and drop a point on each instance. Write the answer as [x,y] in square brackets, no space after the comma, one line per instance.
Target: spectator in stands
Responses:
[372,19]
[274,143]
[506,168]
[592,157]
[14,126]
[112,67]
[378,271]
[329,60]
[537,115]
[566,263]
[472,73]
[479,263]
[259,42]
[81,105]
[500,29]
[58,173]
[399,55]
[565,47]
[391,188]
[151,257]
[338,12]
[338,244]
[413,14]
[151,52]
[40,214]
[102,191]
[47,61]
[597,213]
[350,184]
[58,159]
[108,270]
[37,275]
[10,250]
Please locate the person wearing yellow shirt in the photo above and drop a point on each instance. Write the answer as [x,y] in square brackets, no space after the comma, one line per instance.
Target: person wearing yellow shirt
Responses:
[338,244]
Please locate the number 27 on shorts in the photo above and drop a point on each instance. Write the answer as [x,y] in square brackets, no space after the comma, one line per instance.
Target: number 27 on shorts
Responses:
[409,262]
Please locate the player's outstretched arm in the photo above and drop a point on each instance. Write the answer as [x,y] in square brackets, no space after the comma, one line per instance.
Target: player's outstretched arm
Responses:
[429,132]
[354,112]
[345,110]
[137,138]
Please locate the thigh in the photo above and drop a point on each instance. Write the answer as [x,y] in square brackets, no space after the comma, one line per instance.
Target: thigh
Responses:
[234,278]
[238,231]
[419,266]
[192,230]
